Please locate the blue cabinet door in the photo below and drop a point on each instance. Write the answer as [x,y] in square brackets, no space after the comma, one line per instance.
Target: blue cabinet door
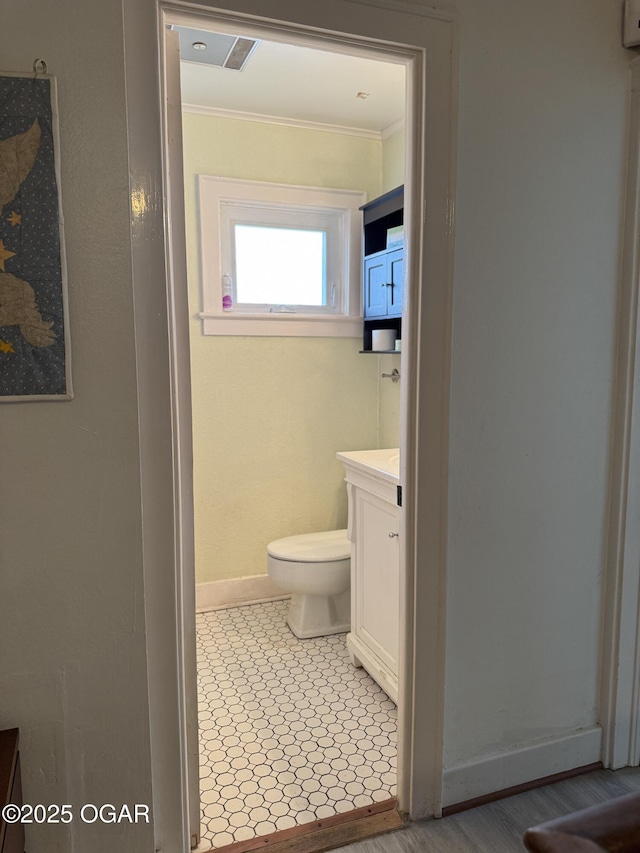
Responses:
[375,285]
[383,277]
[395,272]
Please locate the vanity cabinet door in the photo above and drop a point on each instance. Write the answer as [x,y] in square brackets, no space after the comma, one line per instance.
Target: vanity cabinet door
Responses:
[377,578]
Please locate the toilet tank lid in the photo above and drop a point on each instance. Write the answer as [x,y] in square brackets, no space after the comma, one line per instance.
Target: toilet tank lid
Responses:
[312,547]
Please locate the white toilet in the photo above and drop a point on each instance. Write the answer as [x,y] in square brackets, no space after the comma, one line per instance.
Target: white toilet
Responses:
[316,569]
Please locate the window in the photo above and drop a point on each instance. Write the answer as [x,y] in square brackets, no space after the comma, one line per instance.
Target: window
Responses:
[280,265]
[286,258]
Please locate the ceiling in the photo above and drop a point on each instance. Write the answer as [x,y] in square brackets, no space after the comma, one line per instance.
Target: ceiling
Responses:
[295,83]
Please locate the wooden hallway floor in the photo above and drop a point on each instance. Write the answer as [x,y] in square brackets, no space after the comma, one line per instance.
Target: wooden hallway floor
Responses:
[498,827]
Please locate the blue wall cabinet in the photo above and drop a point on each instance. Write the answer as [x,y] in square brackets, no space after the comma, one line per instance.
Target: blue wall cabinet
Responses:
[383,266]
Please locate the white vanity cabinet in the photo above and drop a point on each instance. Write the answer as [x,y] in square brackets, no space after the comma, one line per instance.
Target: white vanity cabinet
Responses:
[373,530]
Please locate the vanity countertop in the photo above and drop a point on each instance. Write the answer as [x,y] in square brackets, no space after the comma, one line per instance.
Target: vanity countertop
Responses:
[384,464]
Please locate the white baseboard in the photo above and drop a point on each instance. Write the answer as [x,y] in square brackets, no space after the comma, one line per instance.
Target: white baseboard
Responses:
[217,595]
[507,769]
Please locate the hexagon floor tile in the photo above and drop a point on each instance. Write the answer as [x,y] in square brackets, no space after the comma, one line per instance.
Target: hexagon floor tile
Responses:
[290,730]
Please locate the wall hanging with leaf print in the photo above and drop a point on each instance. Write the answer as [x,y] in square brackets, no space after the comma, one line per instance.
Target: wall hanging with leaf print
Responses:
[34,337]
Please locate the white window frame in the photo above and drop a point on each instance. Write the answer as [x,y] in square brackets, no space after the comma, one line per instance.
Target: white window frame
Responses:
[329,221]
[221,200]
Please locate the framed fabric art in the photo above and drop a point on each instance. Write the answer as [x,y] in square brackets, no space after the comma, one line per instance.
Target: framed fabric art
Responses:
[34,338]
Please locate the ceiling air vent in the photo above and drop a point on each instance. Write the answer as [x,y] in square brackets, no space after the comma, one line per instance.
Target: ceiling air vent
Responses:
[219,49]
[239,53]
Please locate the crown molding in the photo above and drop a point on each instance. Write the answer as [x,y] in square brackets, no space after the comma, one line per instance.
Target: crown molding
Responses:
[238,115]
[392,128]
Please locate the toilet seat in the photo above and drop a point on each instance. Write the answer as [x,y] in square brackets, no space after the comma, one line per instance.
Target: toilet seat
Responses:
[329,546]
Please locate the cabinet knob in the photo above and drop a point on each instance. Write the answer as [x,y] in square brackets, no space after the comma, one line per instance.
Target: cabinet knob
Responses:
[393,535]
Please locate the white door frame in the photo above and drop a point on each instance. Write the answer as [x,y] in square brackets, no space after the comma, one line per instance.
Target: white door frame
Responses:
[178,313]
[620,677]
[164,412]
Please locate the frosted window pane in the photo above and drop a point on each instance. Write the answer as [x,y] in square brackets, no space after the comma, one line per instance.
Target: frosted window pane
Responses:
[279,266]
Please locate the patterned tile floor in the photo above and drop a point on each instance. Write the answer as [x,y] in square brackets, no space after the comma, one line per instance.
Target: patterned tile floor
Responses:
[290,731]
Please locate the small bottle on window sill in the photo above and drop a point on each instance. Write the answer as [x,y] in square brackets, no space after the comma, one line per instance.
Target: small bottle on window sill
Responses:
[227,299]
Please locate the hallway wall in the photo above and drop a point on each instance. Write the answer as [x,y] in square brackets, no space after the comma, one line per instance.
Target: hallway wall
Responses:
[541,164]
[73,668]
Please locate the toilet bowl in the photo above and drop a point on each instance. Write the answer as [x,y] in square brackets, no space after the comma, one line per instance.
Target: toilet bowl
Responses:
[316,569]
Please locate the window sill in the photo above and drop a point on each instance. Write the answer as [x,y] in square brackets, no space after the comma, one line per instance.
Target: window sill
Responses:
[281,325]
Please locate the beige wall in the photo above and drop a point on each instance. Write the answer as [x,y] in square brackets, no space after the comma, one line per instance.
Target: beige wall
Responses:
[393,164]
[393,160]
[388,403]
[268,421]
[269,414]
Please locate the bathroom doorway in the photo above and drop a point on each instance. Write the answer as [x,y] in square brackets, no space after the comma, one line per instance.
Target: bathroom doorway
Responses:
[230,365]
[291,733]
